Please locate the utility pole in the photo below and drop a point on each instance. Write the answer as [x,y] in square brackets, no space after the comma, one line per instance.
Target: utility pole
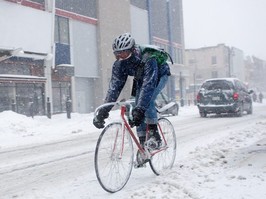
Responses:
[181,89]
[150,20]
[169,29]
[194,79]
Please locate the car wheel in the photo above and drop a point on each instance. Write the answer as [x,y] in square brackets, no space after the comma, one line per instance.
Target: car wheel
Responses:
[203,114]
[239,113]
[250,110]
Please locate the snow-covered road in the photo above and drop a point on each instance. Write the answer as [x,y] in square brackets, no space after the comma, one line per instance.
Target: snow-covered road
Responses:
[217,157]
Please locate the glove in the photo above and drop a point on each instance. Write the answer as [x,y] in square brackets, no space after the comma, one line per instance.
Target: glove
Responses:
[138,115]
[98,120]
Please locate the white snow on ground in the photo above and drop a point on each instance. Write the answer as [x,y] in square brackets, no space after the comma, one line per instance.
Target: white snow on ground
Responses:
[227,166]
[232,167]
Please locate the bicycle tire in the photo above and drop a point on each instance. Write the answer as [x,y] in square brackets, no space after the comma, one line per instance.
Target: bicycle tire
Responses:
[112,169]
[165,159]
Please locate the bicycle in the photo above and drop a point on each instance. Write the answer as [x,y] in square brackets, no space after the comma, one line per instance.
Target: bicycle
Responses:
[114,154]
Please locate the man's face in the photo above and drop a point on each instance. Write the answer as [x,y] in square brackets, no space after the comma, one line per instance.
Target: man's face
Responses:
[122,55]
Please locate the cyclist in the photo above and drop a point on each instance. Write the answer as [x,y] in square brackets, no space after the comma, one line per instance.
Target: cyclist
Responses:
[150,83]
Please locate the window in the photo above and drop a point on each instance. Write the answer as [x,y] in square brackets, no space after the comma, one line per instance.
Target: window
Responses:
[214,60]
[62,46]
[61,90]
[38,1]
[241,86]
[61,30]
[83,7]
[218,84]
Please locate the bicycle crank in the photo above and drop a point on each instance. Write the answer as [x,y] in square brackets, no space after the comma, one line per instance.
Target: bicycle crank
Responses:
[141,160]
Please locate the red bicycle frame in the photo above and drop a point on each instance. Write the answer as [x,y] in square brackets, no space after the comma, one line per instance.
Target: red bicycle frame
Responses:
[123,111]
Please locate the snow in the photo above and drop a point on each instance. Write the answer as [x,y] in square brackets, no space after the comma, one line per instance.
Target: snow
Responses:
[230,162]
[21,76]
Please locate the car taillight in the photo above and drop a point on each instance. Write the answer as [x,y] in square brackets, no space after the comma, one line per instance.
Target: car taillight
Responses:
[198,97]
[235,96]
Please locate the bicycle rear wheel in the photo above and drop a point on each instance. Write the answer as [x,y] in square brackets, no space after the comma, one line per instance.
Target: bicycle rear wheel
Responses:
[164,159]
[113,158]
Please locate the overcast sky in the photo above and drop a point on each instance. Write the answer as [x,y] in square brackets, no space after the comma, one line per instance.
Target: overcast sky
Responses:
[236,23]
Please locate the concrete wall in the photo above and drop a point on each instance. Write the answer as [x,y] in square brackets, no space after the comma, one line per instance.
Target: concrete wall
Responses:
[237,63]
[139,25]
[200,63]
[25,27]
[114,19]
[84,50]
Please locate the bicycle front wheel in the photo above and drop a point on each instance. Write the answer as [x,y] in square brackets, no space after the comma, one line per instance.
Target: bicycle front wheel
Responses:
[113,158]
[164,159]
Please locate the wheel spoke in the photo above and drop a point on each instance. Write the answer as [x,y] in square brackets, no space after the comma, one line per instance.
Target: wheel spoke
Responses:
[113,158]
[165,159]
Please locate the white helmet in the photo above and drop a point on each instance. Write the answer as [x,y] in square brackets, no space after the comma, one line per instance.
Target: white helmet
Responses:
[123,42]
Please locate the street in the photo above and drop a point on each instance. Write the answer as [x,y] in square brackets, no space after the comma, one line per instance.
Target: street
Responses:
[65,168]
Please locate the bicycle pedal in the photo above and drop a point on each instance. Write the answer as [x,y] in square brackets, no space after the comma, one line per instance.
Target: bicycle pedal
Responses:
[137,165]
[152,144]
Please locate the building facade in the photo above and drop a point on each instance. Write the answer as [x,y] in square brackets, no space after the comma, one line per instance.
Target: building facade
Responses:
[64,48]
[213,62]
[25,55]
[256,72]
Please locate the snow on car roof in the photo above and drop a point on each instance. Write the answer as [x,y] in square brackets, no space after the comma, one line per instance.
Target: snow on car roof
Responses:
[230,79]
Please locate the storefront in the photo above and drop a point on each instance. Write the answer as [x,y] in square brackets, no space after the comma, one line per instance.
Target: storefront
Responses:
[22,94]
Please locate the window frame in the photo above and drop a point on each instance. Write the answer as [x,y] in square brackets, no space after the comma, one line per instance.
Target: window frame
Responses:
[61,32]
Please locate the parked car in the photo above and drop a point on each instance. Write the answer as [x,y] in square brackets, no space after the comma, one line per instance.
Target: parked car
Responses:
[224,95]
[164,106]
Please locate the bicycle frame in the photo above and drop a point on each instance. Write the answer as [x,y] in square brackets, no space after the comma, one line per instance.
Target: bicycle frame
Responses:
[125,124]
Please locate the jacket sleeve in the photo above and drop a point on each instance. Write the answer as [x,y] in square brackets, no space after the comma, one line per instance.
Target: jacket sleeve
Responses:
[117,82]
[148,85]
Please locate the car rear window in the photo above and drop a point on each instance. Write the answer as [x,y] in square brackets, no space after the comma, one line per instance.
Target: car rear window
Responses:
[217,84]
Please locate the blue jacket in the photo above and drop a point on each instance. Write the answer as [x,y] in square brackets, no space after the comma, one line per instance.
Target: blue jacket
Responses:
[146,83]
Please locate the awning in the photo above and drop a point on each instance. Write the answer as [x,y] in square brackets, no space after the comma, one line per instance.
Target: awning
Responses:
[9,78]
[6,53]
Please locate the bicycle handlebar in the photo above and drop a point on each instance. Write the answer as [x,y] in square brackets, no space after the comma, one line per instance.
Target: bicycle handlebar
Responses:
[120,103]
